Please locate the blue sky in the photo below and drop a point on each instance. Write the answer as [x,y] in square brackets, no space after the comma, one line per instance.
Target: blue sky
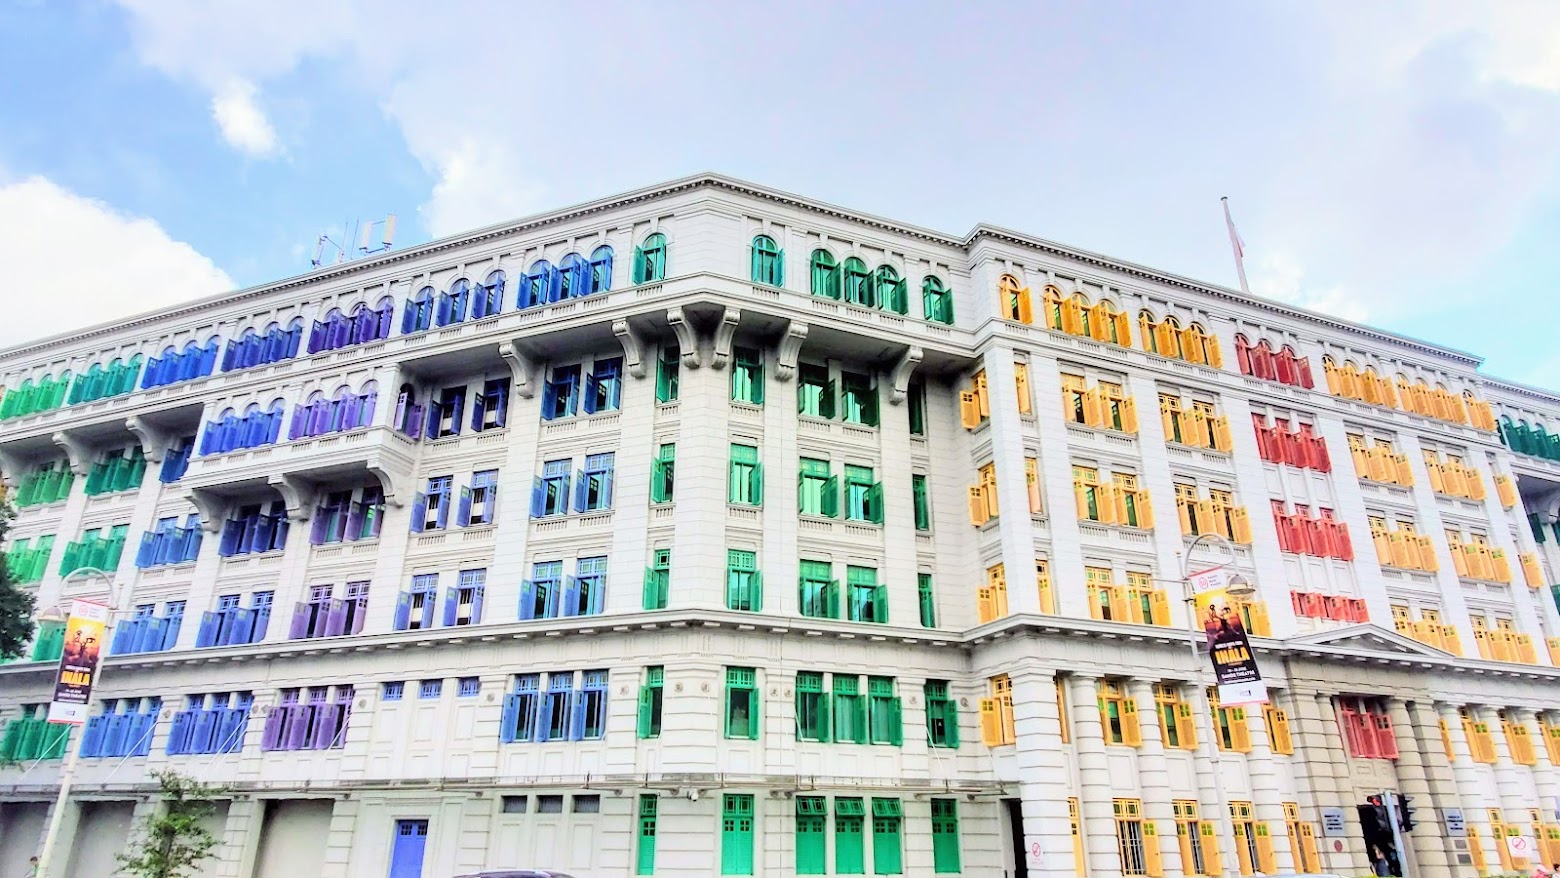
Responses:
[1392,162]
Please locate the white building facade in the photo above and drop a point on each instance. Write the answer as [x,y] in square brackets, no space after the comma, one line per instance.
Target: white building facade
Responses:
[689,533]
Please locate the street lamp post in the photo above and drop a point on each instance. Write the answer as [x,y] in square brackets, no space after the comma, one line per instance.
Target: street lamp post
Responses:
[1236,586]
[68,769]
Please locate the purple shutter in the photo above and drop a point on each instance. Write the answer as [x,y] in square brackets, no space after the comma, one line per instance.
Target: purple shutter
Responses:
[451,596]
[319,530]
[271,738]
[366,405]
[299,628]
[325,725]
[336,619]
[317,337]
[295,428]
[354,522]
[463,517]
[403,611]
[298,730]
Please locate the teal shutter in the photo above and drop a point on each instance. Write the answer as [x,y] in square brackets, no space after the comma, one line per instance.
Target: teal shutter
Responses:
[849,847]
[887,848]
[736,835]
[645,864]
[945,837]
[811,841]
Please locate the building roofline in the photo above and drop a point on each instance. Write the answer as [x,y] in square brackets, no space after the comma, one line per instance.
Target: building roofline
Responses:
[721,181]
[1517,388]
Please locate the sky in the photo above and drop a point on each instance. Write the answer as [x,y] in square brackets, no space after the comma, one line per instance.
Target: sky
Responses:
[1394,163]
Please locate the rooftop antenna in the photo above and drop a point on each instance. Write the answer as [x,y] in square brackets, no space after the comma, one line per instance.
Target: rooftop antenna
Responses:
[367,242]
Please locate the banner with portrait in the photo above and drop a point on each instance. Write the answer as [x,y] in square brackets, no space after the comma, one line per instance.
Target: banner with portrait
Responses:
[1234,666]
[85,629]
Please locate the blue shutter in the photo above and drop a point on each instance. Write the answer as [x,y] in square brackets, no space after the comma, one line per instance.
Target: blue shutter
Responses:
[419,512]
[463,517]
[457,408]
[124,639]
[406,317]
[171,632]
[203,731]
[538,497]
[477,407]
[576,715]
[476,603]
[403,611]
[510,719]
[592,386]
[543,717]
[581,490]
[243,630]
[571,597]
[235,721]
[262,621]
[427,609]
[549,400]
[316,337]
[606,490]
[92,736]
[178,734]
[114,735]
[152,636]
[451,596]
[527,599]
[444,508]
[207,635]
[142,726]
[441,313]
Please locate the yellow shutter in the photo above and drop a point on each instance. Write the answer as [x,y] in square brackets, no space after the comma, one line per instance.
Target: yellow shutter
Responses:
[1475,485]
[1021,384]
[1278,731]
[1129,417]
[1186,726]
[1147,328]
[1160,605]
[1402,553]
[1047,599]
[969,410]
[1459,560]
[1131,728]
[1106,500]
[1120,607]
[1437,477]
[978,514]
[1164,334]
[1026,310]
[1506,491]
[990,722]
[1191,345]
[1196,432]
[1080,501]
[1080,866]
[1145,511]
[1260,625]
[1215,356]
[1167,416]
[1500,568]
[1310,861]
[1212,861]
[1363,458]
[1152,862]
[1264,850]
[1072,317]
[1123,328]
[1222,440]
[1476,849]
[1454,480]
[1093,408]
[1426,550]
[1183,511]
[1240,521]
[1098,318]
[1032,482]
[1240,730]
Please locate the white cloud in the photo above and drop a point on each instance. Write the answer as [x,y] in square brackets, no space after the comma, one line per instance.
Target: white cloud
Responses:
[1276,275]
[242,122]
[479,183]
[77,261]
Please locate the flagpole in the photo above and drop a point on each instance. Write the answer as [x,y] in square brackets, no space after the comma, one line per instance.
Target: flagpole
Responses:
[1236,246]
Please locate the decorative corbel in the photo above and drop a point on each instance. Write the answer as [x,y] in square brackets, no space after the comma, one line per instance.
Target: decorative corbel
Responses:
[725,332]
[211,508]
[633,347]
[522,365]
[790,350]
[687,338]
[900,376]
[79,453]
[298,494]
[154,441]
[394,493]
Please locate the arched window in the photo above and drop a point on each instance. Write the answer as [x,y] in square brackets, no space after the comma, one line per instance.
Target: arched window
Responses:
[1053,307]
[382,316]
[540,286]
[488,298]
[368,398]
[768,262]
[600,270]
[452,305]
[1014,300]
[1111,323]
[650,260]
[936,301]
[888,289]
[408,414]
[418,316]
[856,281]
[131,369]
[825,275]
[573,276]
[1150,332]
[1075,315]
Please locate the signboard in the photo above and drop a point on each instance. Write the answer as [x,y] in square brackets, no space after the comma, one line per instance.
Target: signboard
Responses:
[1455,827]
[1234,667]
[1332,823]
[84,641]
[1521,845]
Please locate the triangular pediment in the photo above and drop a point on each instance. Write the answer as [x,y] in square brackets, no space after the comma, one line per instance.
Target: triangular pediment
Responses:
[1370,638]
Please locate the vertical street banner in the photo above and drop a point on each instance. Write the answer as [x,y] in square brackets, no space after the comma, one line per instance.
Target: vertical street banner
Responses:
[1234,666]
[84,640]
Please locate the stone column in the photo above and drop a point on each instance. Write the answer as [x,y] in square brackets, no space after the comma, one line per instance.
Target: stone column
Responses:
[1471,790]
[1545,774]
[1094,788]
[1261,767]
[1154,775]
[1007,452]
[1426,841]
[1042,761]
[1319,749]
[1515,791]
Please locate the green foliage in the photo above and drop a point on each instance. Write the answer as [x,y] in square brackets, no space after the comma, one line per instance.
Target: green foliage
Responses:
[173,842]
[16,605]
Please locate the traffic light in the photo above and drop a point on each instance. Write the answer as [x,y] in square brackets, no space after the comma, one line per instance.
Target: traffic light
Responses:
[1374,818]
[1405,813]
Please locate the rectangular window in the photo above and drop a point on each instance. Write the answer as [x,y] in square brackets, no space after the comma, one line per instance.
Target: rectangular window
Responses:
[996,713]
[1177,727]
[887,846]
[1231,731]
[850,711]
[866,600]
[860,399]
[747,376]
[744,582]
[585,594]
[560,396]
[741,703]
[542,594]
[663,474]
[644,864]
[520,710]
[1277,722]
[817,489]
[445,416]
[414,608]
[479,506]
[1198,840]
[863,496]
[430,689]
[651,695]
[658,579]
[463,605]
[593,490]
[812,708]
[918,495]
[468,687]
[1021,382]
[849,843]
[915,406]
[942,715]
[926,600]
[1130,844]
[604,386]
[745,483]
[818,591]
[812,818]
[590,707]
[814,391]
[435,514]
[991,602]
[736,834]
[392,691]
[884,720]
[492,407]
[668,372]
[1118,715]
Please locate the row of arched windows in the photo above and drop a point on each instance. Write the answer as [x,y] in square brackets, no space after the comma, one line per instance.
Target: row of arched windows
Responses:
[852,282]
[1416,396]
[321,415]
[173,365]
[100,382]
[365,324]
[252,429]
[1168,339]
[1261,361]
[1074,315]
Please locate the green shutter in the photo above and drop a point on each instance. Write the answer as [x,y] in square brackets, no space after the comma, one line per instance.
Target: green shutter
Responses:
[736,835]
[647,813]
[945,837]
[668,371]
[849,846]
[639,265]
[646,705]
[811,841]
[923,513]
[825,275]
[928,602]
[887,853]
[875,503]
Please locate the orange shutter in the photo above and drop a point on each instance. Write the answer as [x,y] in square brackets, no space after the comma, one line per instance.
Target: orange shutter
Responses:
[969,410]
[1215,356]
[1222,440]
[1129,419]
[1240,521]
[1072,317]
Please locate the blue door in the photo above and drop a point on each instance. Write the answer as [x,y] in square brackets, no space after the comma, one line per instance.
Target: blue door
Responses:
[406,856]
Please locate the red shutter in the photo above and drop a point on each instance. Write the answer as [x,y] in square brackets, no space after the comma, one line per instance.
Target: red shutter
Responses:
[1304,364]
[1284,367]
[1242,355]
[1360,613]
[1386,742]
[1297,601]
[1342,545]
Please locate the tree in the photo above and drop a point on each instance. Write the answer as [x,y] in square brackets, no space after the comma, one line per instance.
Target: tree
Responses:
[173,842]
[16,605]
